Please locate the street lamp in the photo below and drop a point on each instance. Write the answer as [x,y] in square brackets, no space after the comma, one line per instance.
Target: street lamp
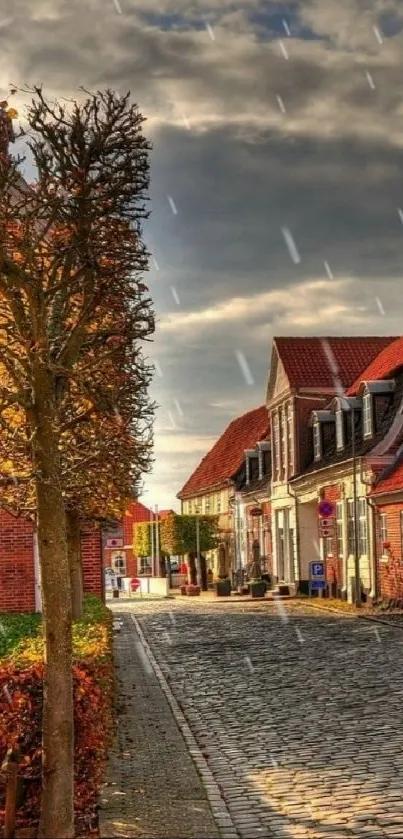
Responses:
[357,575]
[198,569]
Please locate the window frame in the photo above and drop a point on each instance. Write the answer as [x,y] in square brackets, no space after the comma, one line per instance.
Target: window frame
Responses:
[339,420]
[317,440]
[340,529]
[362,526]
[277,444]
[383,529]
[290,439]
[367,416]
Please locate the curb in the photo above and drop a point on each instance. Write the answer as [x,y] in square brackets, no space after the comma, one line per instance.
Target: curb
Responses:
[212,790]
[373,618]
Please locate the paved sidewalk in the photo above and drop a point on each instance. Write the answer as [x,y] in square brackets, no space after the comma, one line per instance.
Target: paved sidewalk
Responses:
[152,788]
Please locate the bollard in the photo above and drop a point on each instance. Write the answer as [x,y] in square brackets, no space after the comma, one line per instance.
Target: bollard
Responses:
[9,770]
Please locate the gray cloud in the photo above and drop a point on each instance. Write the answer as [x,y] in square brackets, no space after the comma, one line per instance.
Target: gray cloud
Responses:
[329,168]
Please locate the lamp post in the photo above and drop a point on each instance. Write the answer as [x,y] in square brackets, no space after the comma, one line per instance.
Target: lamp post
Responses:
[356,540]
[157,545]
[152,539]
[198,569]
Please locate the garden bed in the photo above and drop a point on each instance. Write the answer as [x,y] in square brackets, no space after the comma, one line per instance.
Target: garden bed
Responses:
[21,674]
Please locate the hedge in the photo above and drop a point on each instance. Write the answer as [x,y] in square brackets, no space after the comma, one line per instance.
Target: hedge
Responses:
[21,691]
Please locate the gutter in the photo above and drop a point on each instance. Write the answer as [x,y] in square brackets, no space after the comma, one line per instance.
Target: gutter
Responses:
[375,584]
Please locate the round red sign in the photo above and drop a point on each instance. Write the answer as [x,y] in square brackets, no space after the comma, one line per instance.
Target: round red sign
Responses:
[326,509]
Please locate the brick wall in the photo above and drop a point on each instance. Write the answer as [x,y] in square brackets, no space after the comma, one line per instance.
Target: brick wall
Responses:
[390,573]
[334,569]
[17,578]
[91,552]
[17,585]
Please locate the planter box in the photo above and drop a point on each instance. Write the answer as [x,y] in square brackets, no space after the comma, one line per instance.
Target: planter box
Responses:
[223,588]
[115,592]
[184,590]
[193,591]
[258,589]
[284,591]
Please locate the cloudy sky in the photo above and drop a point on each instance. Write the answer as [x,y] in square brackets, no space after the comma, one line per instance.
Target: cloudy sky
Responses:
[269,120]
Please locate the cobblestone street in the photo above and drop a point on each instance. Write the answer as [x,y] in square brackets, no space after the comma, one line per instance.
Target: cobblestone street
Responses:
[298,713]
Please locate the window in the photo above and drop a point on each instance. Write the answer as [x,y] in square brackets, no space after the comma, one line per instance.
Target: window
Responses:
[350,527]
[277,453]
[339,430]
[367,415]
[284,439]
[290,437]
[328,545]
[190,510]
[339,529]
[317,442]
[362,527]
[219,502]
[383,523]
[145,567]
[207,505]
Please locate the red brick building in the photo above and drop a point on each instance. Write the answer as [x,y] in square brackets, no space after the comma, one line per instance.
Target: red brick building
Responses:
[20,589]
[306,374]
[354,461]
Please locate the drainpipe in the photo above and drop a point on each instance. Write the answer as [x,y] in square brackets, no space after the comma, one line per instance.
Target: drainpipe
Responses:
[375,592]
[373,564]
[294,495]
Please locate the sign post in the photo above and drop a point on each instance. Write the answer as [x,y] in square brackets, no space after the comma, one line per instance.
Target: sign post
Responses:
[317,578]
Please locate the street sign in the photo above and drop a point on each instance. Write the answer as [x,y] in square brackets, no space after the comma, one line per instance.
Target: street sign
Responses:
[316,585]
[326,528]
[114,543]
[326,509]
[316,569]
[317,576]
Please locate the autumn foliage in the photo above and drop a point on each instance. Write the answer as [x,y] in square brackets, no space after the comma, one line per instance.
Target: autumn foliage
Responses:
[178,534]
[21,694]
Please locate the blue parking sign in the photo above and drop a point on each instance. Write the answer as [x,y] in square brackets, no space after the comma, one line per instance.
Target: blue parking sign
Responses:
[315,585]
[317,569]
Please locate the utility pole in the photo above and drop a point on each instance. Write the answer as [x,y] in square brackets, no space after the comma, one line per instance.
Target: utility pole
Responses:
[198,568]
[157,544]
[356,539]
[152,539]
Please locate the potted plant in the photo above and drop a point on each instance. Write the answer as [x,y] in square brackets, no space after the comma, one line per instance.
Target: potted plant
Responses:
[183,589]
[193,591]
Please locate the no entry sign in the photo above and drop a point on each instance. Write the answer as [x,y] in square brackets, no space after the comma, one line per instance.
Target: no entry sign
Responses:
[326,509]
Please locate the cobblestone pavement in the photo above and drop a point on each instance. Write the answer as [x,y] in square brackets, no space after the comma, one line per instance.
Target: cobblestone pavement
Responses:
[153,788]
[298,713]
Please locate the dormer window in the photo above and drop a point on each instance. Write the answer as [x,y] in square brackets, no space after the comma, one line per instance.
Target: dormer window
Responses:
[317,441]
[367,415]
[339,430]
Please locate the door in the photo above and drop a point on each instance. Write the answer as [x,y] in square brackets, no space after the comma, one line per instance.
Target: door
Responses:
[280,543]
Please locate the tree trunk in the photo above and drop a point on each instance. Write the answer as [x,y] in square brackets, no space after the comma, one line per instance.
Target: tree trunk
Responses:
[163,567]
[203,573]
[192,570]
[57,807]
[75,564]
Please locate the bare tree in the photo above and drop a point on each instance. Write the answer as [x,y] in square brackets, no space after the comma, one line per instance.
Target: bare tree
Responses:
[70,250]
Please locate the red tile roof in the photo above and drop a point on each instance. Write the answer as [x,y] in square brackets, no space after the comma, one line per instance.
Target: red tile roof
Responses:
[225,458]
[307,365]
[382,366]
[392,483]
